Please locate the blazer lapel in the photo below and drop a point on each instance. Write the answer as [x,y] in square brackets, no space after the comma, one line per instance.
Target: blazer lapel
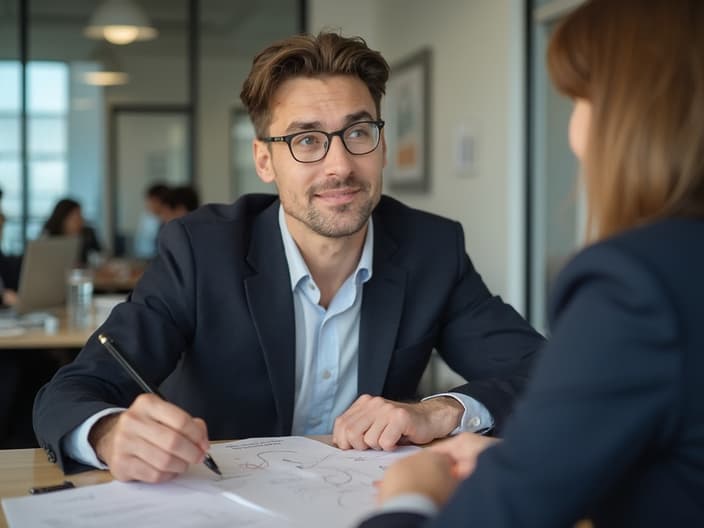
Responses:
[382,305]
[270,303]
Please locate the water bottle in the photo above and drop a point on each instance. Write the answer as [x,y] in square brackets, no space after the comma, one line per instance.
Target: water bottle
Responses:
[79,297]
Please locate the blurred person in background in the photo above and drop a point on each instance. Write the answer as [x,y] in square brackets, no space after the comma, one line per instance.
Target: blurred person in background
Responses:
[179,202]
[67,220]
[150,222]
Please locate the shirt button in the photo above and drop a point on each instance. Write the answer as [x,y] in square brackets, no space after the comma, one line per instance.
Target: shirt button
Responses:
[311,286]
[475,422]
[326,374]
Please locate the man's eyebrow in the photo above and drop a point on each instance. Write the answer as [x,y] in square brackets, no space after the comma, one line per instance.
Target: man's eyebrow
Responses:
[299,126]
[362,115]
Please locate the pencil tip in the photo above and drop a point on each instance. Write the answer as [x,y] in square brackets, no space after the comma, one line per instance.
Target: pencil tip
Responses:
[212,466]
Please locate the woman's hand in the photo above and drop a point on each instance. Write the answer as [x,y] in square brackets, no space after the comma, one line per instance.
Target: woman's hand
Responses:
[428,472]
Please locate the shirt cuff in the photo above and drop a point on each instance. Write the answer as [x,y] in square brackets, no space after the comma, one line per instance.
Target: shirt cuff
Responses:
[76,445]
[410,503]
[475,419]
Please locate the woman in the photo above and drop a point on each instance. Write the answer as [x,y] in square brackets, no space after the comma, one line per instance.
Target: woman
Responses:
[67,220]
[612,425]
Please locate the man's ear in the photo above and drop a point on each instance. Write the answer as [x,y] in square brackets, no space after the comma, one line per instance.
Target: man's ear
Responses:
[383,147]
[262,161]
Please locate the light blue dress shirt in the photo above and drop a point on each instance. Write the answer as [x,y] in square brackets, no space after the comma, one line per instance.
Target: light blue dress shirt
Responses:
[326,354]
[326,340]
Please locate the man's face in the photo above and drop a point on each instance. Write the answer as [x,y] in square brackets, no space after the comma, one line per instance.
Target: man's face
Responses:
[332,197]
[153,205]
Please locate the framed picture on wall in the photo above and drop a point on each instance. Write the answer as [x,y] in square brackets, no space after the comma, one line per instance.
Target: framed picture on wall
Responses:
[407,115]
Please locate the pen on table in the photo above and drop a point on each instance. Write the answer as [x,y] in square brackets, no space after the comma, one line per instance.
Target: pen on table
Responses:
[124,362]
[66,484]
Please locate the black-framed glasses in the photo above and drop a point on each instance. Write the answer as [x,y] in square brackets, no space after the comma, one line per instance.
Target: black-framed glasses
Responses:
[310,146]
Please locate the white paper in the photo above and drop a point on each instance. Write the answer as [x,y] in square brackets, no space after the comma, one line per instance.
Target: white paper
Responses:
[308,482]
[270,482]
[133,505]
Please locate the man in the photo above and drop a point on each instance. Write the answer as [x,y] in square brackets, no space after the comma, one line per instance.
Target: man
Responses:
[308,313]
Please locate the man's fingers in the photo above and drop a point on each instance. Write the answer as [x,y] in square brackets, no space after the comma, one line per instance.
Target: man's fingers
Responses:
[391,435]
[205,444]
[159,459]
[128,468]
[148,421]
[173,417]
[372,436]
[373,422]
[349,429]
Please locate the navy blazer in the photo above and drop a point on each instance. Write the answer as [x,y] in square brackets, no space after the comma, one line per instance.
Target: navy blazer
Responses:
[212,322]
[612,425]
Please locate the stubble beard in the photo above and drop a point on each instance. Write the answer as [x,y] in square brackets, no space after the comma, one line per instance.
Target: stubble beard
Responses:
[340,221]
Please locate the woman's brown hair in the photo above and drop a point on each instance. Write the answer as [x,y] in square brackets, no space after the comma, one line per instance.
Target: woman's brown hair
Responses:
[640,63]
[310,56]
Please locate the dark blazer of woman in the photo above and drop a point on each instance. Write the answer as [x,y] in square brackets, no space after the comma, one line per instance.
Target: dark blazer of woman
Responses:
[618,398]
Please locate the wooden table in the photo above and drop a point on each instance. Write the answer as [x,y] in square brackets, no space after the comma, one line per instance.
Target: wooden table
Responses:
[21,469]
[38,338]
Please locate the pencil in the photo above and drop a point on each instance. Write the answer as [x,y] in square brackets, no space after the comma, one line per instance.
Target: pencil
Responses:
[129,368]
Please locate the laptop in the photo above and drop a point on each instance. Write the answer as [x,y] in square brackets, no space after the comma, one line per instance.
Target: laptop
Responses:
[42,282]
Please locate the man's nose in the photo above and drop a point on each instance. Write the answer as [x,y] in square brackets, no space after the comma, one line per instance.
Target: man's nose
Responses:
[338,159]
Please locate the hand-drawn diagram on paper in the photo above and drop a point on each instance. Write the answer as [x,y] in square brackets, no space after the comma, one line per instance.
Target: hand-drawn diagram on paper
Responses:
[303,479]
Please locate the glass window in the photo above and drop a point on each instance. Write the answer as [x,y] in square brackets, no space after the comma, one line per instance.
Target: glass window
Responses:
[9,87]
[47,136]
[47,117]
[9,135]
[47,84]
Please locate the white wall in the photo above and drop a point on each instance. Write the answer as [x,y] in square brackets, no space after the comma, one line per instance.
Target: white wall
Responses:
[477,84]
[221,82]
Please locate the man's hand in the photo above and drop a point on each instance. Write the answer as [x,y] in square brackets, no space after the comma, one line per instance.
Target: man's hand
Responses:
[377,423]
[464,450]
[152,441]
[429,473]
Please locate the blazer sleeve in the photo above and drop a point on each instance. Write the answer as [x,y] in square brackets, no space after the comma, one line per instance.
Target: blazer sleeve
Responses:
[154,328]
[606,391]
[486,341]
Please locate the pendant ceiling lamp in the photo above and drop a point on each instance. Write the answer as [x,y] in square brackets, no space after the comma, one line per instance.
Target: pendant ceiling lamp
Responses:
[108,70]
[120,22]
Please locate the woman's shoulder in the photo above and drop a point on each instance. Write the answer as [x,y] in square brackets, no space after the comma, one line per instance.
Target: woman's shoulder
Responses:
[658,263]
[658,248]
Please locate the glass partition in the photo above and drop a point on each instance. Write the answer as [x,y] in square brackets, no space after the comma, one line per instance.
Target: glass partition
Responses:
[556,207]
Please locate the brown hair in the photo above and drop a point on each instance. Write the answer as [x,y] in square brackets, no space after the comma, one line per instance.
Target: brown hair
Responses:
[309,56]
[640,63]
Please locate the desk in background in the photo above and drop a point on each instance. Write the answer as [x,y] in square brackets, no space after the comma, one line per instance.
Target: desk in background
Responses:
[64,337]
[118,275]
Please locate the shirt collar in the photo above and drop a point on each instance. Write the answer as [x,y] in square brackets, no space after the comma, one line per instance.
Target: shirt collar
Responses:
[297,268]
